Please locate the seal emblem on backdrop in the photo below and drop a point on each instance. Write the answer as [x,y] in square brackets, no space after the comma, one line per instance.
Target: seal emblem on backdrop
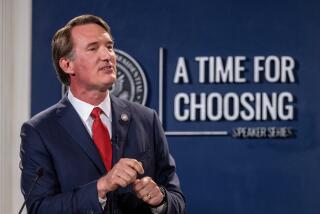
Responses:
[131,81]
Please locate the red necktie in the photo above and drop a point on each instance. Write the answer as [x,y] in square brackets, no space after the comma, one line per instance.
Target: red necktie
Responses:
[101,138]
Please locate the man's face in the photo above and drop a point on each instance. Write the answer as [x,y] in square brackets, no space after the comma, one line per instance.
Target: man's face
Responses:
[94,60]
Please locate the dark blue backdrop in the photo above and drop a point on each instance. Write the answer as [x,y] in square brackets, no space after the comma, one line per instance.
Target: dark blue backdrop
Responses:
[219,174]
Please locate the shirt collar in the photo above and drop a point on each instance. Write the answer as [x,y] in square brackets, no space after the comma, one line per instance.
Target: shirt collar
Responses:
[84,109]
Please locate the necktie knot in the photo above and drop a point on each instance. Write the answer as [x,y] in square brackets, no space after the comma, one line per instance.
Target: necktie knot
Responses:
[96,113]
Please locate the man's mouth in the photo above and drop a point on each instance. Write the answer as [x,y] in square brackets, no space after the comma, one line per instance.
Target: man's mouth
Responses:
[106,68]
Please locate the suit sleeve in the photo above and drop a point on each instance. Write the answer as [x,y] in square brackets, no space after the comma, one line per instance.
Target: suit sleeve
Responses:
[166,171]
[46,196]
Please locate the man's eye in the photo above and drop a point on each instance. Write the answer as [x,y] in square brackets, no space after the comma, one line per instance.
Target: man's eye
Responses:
[92,48]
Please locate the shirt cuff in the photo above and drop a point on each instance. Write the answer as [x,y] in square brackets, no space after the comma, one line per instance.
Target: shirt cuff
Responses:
[159,210]
[103,202]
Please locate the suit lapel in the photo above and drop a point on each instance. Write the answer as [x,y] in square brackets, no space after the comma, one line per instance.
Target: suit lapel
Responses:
[121,118]
[71,122]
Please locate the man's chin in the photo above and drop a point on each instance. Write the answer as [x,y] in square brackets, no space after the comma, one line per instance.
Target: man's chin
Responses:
[105,87]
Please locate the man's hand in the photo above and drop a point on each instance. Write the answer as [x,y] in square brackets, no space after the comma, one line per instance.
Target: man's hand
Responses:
[147,190]
[122,174]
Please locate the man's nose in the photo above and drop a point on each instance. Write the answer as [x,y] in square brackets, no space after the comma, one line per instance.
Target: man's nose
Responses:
[105,53]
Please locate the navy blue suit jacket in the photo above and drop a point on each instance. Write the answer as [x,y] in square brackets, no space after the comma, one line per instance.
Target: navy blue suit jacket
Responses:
[57,140]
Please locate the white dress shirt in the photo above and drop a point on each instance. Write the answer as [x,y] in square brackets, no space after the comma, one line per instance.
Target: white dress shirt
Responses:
[84,110]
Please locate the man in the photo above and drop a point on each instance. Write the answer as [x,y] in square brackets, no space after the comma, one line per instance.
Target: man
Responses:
[99,154]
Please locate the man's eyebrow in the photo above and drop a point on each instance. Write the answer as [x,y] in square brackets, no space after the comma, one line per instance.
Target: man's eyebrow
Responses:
[110,42]
[92,43]
[96,43]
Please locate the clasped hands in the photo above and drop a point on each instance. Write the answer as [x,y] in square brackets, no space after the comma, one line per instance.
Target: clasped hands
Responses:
[125,172]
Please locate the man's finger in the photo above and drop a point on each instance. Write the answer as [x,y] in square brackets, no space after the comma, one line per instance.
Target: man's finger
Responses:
[136,165]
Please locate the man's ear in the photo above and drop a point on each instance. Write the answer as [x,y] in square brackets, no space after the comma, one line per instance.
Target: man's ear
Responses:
[66,65]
